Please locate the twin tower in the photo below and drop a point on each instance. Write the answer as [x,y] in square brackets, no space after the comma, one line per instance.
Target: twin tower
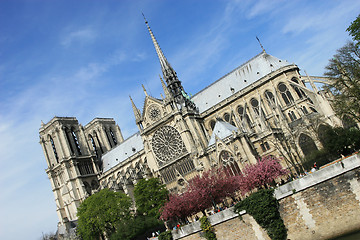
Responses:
[74,153]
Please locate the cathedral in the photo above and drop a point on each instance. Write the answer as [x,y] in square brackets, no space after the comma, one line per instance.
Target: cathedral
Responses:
[263,107]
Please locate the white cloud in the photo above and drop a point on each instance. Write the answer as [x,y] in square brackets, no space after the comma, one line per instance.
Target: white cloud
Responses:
[78,36]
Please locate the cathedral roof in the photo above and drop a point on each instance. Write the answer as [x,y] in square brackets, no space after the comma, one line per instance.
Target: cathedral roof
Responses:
[124,150]
[222,130]
[241,77]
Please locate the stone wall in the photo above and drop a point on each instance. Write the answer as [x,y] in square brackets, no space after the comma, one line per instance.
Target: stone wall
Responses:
[322,205]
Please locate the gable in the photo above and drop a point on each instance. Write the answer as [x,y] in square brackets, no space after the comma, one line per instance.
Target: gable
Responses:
[221,130]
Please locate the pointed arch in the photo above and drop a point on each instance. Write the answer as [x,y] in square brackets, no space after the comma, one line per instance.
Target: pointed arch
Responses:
[76,141]
[94,145]
[307,144]
[269,96]
[68,139]
[230,165]
[212,124]
[285,93]
[243,115]
[227,117]
[113,136]
[54,149]
[298,90]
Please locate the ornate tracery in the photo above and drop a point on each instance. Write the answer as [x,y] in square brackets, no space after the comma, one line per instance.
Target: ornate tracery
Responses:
[229,163]
[167,144]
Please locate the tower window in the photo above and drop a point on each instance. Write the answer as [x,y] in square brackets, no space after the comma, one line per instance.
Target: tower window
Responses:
[113,136]
[76,141]
[54,149]
[94,145]
[68,140]
[97,139]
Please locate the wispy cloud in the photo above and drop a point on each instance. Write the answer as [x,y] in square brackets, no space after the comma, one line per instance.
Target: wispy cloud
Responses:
[79,36]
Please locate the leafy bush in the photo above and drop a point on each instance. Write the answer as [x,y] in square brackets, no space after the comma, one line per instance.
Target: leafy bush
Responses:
[208,230]
[135,227]
[165,236]
[265,210]
[321,157]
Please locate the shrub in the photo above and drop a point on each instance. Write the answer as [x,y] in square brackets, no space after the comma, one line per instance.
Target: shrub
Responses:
[208,230]
[165,236]
[265,210]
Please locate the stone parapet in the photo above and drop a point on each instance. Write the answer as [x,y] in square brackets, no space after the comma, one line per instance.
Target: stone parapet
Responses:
[322,205]
[319,176]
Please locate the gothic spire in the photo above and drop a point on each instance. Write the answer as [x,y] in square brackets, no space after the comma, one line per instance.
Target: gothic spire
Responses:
[174,86]
[144,90]
[136,111]
[166,91]
[165,65]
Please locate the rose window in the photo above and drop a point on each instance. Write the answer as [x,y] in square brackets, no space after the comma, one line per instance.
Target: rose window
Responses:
[167,144]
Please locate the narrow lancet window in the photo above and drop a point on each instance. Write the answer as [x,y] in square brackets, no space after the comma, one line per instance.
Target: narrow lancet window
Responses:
[285,94]
[54,149]
[76,141]
[113,136]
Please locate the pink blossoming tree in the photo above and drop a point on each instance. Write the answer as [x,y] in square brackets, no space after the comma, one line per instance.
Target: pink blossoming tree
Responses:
[215,185]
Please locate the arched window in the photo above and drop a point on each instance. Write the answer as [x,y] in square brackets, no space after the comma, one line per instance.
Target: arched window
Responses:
[304,110]
[212,124]
[94,145]
[67,133]
[306,144]
[230,165]
[54,149]
[285,94]
[292,116]
[313,109]
[227,117]
[113,136]
[255,105]
[298,90]
[76,141]
[243,115]
[270,98]
[108,138]
[97,139]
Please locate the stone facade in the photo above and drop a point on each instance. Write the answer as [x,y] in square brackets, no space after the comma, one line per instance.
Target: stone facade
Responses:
[262,107]
[323,205]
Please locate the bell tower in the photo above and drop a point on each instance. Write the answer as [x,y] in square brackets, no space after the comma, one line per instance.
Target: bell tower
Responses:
[72,165]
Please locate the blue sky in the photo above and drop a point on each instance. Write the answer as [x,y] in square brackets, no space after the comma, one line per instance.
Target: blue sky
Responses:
[84,58]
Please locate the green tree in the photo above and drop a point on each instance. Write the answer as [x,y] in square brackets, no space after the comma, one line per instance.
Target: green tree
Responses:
[344,73]
[100,213]
[341,141]
[138,227]
[150,195]
[354,29]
